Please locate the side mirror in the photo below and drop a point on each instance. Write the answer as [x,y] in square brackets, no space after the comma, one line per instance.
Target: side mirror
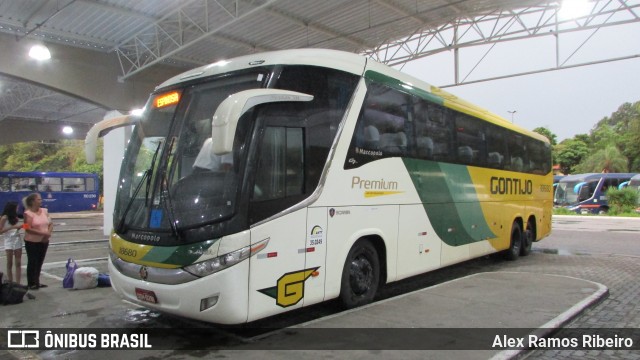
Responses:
[225,120]
[101,129]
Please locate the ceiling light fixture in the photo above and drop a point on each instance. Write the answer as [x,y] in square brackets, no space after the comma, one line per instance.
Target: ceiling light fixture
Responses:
[39,52]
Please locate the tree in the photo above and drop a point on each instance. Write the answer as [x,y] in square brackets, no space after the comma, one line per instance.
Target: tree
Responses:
[621,129]
[603,136]
[570,153]
[549,135]
[64,155]
[609,159]
[630,136]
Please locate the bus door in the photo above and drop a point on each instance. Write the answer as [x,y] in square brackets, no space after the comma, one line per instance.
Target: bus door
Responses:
[278,273]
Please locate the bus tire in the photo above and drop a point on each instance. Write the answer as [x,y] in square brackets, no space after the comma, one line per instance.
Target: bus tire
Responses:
[527,239]
[360,275]
[516,242]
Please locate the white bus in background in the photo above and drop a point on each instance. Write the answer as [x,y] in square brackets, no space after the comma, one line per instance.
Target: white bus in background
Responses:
[274,181]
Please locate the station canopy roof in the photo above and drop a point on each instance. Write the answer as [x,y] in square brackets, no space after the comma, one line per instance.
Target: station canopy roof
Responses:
[190,33]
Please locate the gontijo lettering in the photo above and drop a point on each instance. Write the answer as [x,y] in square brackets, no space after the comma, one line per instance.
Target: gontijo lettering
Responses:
[511,186]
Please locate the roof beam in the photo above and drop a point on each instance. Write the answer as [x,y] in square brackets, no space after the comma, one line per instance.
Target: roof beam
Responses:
[174,32]
[317,28]
[503,25]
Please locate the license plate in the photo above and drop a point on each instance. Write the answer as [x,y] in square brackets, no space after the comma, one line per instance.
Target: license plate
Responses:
[146,296]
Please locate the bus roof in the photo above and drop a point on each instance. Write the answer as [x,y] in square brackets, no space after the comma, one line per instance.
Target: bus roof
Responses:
[352,63]
[594,176]
[340,60]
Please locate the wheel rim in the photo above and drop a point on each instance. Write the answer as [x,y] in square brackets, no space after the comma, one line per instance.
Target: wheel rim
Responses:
[360,275]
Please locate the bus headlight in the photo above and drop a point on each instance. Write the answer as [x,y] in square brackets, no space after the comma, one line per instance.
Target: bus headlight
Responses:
[222,262]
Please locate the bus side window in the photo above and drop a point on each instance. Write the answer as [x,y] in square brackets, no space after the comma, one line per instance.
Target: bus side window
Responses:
[517,151]
[384,127]
[73,184]
[496,146]
[91,184]
[5,184]
[432,131]
[470,140]
[49,184]
[280,170]
[584,193]
[385,110]
[24,184]
[424,142]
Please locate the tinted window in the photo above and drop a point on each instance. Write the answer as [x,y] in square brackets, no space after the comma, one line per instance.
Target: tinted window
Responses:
[393,123]
[281,165]
[73,184]
[384,126]
[470,140]
[433,131]
[294,139]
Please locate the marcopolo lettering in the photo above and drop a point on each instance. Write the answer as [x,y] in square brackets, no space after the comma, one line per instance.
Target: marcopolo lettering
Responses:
[145,237]
[511,186]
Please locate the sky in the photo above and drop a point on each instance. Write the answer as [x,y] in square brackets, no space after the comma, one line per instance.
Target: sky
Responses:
[567,102]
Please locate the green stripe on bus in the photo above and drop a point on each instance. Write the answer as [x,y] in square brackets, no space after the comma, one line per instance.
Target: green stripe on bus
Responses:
[178,255]
[451,204]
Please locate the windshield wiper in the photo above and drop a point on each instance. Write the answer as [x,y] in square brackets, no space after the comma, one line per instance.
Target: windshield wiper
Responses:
[164,190]
[121,227]
[145,176]
[150,171]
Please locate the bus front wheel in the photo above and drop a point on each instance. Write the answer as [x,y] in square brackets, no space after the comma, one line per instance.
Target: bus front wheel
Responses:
[360,275]
[516,242]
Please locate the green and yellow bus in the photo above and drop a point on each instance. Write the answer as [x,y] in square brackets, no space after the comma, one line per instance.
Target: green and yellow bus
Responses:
[275,181]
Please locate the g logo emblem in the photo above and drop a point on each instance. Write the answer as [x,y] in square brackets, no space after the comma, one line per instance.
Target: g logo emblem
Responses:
[290,287]
[144,273]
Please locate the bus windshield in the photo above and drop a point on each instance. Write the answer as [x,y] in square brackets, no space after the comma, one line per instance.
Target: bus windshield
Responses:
[572,192]
[170,177]
[175,190]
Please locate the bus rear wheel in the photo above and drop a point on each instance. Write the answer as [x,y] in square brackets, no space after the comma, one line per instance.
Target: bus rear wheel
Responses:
[527,239]
[360,275]
[516,242]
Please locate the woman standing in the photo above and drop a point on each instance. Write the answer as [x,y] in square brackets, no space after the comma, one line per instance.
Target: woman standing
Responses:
[38,228]
[10,228]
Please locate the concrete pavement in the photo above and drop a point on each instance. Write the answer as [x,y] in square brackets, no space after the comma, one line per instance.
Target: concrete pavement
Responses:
[543,290]
[490,301]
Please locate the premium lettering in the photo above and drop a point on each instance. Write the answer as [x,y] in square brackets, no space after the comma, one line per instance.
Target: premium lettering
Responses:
[381,184]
